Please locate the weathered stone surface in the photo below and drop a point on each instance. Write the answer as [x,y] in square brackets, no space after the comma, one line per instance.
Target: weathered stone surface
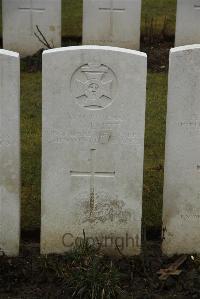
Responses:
[181,206]
[93,136]
[112,23]
[187,22]
[9,152]
[20,18]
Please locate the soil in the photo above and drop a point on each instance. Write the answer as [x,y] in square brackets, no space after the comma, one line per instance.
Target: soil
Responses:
[32,276]
[157,53]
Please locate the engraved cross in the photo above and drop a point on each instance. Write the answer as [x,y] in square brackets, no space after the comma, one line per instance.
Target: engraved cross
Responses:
[92,174]
[112,10]
[29,9]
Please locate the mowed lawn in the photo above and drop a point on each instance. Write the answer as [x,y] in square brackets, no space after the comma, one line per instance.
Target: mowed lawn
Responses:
[31,102]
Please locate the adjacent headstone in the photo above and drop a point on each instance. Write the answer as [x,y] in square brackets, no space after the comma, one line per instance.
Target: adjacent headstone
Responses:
[112,23]
[181,206]
[187,22]
[20,21]
[9,152]
[93,142]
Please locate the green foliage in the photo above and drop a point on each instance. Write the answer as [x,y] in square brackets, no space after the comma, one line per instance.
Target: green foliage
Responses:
[97,279]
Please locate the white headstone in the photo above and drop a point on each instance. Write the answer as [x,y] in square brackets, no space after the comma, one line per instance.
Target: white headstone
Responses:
[20,18]
[181,206]
[9,152]
[93,136]
[112,23]
[187,22]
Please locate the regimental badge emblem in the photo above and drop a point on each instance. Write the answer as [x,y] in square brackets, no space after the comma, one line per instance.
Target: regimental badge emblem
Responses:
[94,86]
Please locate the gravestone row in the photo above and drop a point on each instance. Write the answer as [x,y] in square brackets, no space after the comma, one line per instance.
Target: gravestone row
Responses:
[93,145]
[105,22]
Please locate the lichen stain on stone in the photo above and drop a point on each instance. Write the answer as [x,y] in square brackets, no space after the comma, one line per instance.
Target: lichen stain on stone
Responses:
[105,209]
[52,28]
[8,177]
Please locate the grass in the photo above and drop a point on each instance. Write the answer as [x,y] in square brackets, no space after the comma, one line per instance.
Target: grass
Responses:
[31,148]
[154,148]
[95,278]
[72,18]
[158,11]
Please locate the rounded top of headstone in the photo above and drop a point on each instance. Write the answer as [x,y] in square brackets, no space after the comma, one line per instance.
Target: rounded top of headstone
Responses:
[9,53]
[91,47]
[185,48]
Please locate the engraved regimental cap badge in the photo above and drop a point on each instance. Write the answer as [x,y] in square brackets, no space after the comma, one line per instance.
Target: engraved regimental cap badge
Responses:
[93,86]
